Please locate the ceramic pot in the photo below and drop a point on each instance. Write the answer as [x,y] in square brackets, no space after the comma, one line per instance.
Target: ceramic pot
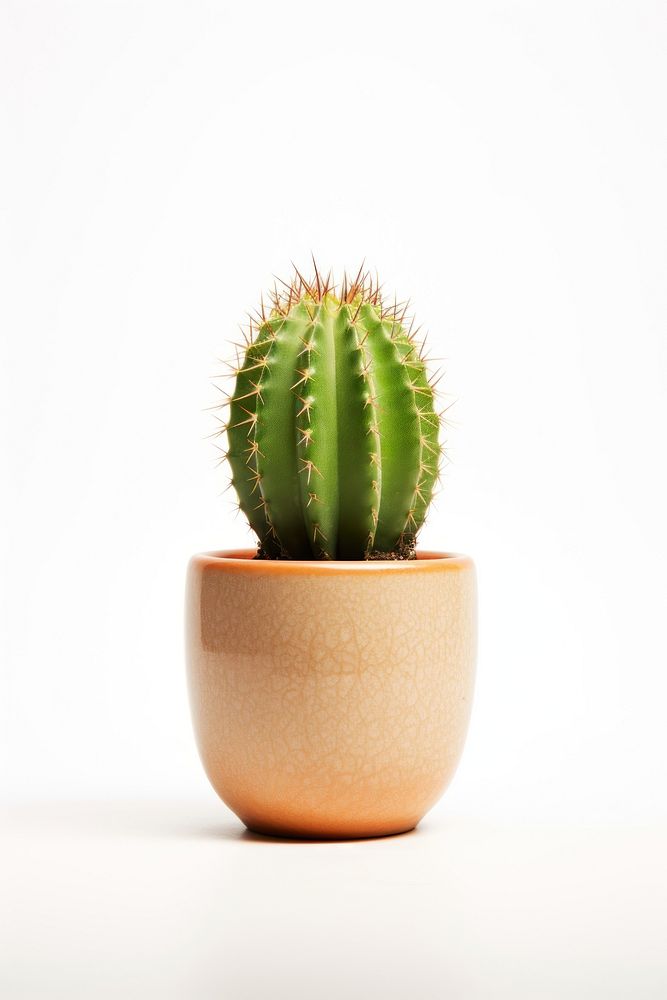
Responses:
[330,699]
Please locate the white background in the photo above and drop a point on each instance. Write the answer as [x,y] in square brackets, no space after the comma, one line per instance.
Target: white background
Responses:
[501,163]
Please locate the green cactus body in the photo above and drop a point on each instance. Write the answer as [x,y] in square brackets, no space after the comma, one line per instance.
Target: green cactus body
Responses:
[332,431]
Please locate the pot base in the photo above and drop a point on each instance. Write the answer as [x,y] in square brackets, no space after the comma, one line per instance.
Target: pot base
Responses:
[287,833]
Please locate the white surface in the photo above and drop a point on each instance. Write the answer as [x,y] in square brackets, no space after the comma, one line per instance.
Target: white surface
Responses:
[176,900]
[504,164]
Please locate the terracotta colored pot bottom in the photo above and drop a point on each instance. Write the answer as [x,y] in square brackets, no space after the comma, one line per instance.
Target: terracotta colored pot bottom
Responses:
[330,699]
[284,833]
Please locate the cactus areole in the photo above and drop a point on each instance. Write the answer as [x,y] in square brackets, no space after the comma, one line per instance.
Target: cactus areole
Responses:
[332,433]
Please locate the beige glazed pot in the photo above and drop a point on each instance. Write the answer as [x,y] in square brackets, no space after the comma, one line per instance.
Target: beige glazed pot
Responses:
[330,699]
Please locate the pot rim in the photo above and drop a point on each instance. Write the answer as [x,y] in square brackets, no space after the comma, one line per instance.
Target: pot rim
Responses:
[240,560]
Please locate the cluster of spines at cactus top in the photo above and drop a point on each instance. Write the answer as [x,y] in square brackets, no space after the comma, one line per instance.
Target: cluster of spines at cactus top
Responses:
[332,433]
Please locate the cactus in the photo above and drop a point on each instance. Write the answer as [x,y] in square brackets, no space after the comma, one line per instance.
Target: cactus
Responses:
[332,433]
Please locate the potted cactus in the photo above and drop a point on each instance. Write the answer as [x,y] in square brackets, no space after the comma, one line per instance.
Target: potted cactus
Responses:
[331,669]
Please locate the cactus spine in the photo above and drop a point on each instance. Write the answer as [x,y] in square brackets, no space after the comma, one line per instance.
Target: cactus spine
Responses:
[332,432]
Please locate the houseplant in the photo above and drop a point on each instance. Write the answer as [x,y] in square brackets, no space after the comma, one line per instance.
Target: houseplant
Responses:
[331,671]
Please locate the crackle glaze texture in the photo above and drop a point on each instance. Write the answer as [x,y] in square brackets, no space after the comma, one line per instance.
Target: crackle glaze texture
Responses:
[330,699]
